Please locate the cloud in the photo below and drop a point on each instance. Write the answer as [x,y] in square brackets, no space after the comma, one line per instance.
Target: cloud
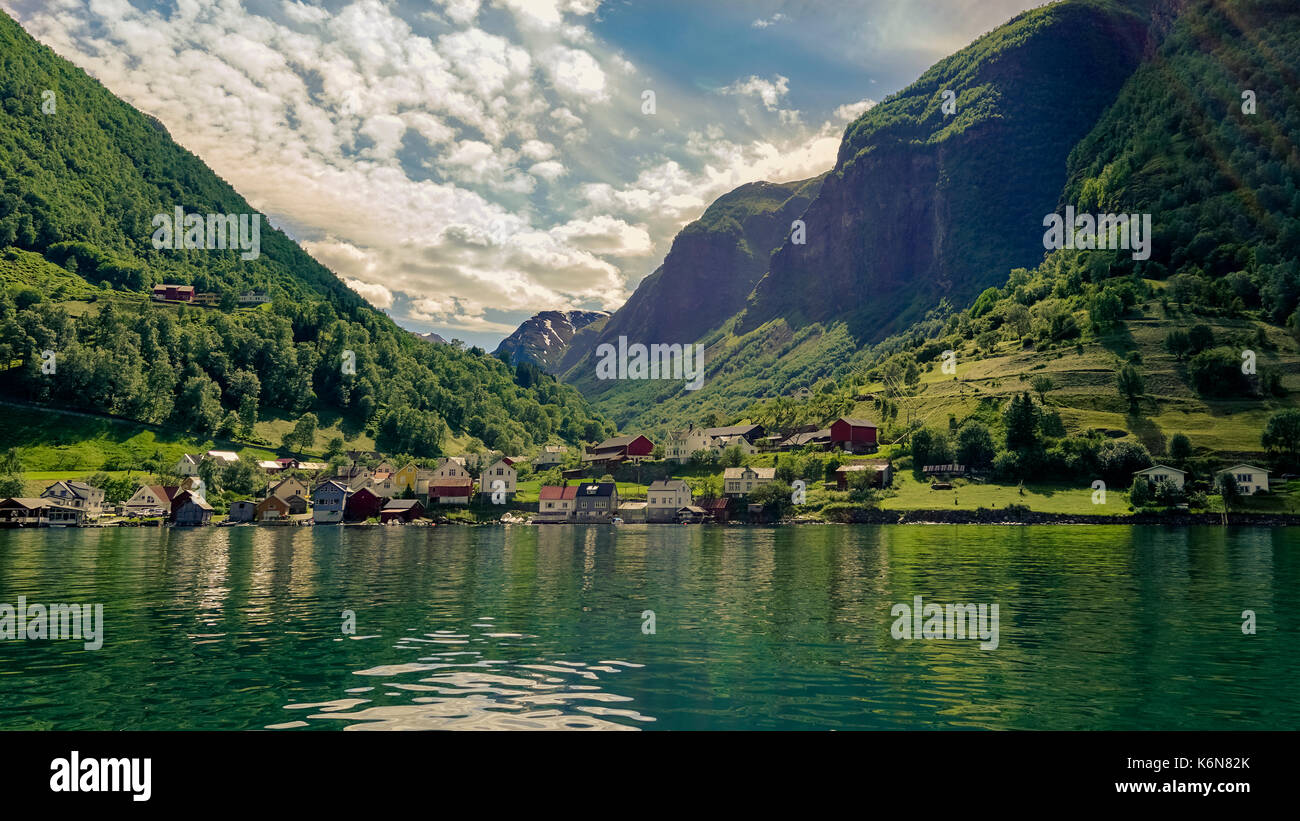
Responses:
[770,21]
[770,92]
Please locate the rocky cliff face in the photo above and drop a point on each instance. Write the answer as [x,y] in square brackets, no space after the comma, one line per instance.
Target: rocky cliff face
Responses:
[926,203]
[544,339]
[710,269]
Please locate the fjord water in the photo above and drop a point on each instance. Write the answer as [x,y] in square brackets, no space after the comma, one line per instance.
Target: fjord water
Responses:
[542,627]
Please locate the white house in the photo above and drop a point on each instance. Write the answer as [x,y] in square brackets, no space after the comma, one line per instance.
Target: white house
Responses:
[550,456]
[1250,479]
[77,495]
[665,497]
[187,465]
[499,471]
[225,458]
[682,443]
[1155,473]
[740,481]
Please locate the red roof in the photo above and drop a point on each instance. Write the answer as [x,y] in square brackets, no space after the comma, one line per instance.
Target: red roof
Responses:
[555,492]
[450,490]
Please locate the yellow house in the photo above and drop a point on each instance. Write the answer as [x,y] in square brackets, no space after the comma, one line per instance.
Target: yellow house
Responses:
[406,478]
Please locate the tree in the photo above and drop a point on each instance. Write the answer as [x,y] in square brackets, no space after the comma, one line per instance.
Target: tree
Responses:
[1282,436]
[1200,338]
[1021,422]
[975,445]
[303,435]
[1041,384]
[1131,385]
[1105,310]
[1139,494]
[1177,343]
[1180,449]
[1226,485]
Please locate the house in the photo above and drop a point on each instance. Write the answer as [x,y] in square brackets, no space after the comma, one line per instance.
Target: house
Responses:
[78,495]
[632,512]
[665,497]
[719,510]
[187,465]
[551,456]
[680,444]
[224,458]
[190,510]
[806,439]
[328,501]
[613,452]
[595,502]
[29,512]
[173,293]
[1250,479]
[297,504]
[289,486]
[734,441]
[286,462]
[408,478]
[692,515]
[242,511]
[750,433]
[503,471]
[451,483]
[271,509]
[270,466]
[361,505]
[882,473]
[150,500]
[853,435]
[1155,473]
[253,298]
[555,503]
[401,510]
[312,467]
[741,481]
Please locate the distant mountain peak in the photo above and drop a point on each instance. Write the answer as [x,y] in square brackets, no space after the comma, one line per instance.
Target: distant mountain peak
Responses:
[544,338]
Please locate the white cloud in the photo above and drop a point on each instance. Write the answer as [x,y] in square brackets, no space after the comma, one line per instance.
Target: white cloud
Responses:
[771,92]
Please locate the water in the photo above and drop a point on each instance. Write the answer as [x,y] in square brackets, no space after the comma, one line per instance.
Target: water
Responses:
[785,628]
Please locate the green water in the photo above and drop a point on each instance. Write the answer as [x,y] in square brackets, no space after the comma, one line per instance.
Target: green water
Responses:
[786,628]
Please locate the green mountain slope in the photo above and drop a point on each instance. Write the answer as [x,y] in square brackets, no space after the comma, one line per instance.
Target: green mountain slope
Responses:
[1221,187]
[80,183]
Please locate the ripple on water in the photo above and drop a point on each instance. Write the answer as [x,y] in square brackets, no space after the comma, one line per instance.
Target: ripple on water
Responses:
[478,694]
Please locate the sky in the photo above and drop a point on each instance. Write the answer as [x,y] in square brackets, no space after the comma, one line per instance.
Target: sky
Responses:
[463,164]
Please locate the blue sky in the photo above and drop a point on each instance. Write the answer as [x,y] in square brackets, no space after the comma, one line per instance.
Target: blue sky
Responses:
[463,164]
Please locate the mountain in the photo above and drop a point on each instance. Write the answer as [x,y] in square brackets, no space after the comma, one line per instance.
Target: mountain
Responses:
[544,338]
[85,180]
[711,268]
[430,337]
[1168,137]
[924,205]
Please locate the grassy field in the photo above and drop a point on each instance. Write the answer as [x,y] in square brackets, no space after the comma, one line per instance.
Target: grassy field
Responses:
[1084,385]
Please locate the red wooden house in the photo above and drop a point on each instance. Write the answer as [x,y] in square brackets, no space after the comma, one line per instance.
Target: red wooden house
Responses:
[613,452]
[401,510]
[362,505]
[175,293]
[853,435]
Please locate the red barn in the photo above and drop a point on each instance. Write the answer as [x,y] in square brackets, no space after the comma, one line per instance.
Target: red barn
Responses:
[362,505]
[853,435]
[176,293]
[620,449]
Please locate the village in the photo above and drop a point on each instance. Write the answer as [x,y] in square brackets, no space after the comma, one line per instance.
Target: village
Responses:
[720,475]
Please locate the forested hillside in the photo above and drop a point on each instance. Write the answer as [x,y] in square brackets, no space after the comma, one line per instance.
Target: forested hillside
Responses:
[82,175]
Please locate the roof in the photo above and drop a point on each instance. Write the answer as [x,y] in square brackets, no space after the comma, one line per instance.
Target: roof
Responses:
[731,430]
[554,492]
[857,423]
[759,473]
[596,489]
[1248,467]
[811,436]
[717,504]
[27,502]
[198,501]
[330,484]
[267,464]
[402,504]
[224,455]
[1159,467]
[692,509]
[632,505]
[668,484]
[555,449]
[857,466]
